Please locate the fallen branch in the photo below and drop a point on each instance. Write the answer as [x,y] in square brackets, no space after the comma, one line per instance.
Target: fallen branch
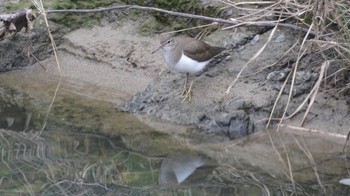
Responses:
[207,18]
[15,22]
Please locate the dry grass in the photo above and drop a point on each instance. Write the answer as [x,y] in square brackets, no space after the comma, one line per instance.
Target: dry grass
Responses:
[327,37]
[327,22]
[40,7]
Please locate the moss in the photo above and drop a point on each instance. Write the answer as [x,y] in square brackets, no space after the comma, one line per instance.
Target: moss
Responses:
[150,26]
[81,4]
[12,7]
[173,22]
[76,20]
[134,14]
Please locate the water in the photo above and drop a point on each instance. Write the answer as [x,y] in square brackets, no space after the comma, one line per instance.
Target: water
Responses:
[89,148]
[86,148]
[71,156]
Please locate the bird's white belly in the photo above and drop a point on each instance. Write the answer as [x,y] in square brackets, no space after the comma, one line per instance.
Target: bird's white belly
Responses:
[188,65]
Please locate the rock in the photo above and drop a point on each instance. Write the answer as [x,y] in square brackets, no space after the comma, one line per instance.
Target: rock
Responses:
[304,81]
[235,124]
[279,75]
[280,38]
[255,39]
[237,104]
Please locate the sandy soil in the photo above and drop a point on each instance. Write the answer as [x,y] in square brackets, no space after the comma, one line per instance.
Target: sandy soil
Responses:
[105,57]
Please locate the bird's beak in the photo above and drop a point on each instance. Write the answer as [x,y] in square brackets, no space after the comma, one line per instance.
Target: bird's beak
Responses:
[161,46]
[157,49]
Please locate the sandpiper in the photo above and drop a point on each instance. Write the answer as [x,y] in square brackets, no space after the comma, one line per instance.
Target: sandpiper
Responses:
[187,55]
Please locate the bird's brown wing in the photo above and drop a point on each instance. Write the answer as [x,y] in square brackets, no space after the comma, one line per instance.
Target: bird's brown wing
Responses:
[198,50]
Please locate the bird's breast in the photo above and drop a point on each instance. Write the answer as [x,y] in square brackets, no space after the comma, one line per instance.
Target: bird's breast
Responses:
[188,65]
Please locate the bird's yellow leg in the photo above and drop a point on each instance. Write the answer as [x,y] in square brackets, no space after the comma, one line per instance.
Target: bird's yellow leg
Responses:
[184,90]
[188,94]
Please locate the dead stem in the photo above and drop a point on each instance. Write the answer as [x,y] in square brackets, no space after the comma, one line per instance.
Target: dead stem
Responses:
[252,59]
[311,96]
[277,99]
[313,131]
[40,6]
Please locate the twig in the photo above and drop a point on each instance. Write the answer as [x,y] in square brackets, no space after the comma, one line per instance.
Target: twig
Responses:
[276,101]
[314,90]
[212,19]
[347,139]
[313,131]
[37,60]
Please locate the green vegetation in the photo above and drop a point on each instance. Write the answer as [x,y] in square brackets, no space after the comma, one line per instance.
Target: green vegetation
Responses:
[161,22]
[12,7]
[75,20]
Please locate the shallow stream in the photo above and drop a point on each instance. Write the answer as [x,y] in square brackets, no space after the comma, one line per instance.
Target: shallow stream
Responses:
[83,146]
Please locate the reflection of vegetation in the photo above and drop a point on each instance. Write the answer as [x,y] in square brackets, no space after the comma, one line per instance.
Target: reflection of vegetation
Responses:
[16,114]
[66,161]
[33,166]
[71,163]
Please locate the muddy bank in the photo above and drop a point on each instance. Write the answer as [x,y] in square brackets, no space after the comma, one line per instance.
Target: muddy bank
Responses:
[246,108]
[211,109]
[21,50]
[117,60]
